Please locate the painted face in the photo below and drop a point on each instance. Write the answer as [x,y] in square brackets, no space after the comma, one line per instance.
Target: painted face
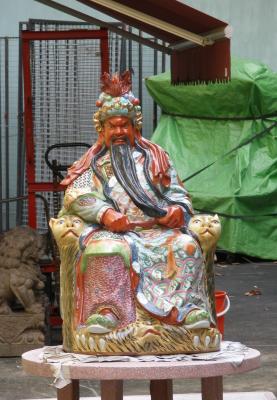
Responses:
[207,228]
[66,229]
[117,129]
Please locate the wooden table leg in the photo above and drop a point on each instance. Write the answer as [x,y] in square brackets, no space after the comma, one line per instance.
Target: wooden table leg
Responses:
[111,390]
[69,392]
[161,389]
[212,388]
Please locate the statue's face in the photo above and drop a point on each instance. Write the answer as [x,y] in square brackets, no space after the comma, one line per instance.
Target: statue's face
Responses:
[66,229]
[207,228]
[117,130]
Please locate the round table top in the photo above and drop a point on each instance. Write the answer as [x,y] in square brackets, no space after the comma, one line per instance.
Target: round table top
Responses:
[117,370]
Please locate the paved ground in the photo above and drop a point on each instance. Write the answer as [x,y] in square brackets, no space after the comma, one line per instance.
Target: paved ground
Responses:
[251,320]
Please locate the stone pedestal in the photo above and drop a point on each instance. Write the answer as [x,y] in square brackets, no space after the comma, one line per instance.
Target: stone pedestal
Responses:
[20,332]
[112,373]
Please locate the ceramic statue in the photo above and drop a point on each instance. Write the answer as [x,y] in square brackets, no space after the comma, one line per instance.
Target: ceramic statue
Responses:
[133,276]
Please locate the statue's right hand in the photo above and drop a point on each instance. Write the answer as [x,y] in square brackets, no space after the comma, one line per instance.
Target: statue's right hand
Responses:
[115,221]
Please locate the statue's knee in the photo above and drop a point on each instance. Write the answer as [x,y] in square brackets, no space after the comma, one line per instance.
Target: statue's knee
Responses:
[189,245]
[108,248]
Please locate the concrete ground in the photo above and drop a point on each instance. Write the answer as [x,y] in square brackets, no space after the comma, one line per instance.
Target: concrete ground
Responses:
[251,320]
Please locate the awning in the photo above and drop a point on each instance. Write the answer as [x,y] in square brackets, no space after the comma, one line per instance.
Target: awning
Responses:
[198,43]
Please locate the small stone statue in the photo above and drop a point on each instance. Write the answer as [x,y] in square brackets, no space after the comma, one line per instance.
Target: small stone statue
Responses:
[132,274]
[21,291]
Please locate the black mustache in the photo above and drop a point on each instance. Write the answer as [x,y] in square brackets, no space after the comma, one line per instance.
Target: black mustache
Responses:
[125,172]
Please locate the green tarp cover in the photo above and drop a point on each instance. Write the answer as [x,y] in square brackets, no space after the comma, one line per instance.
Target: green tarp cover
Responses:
[230,129]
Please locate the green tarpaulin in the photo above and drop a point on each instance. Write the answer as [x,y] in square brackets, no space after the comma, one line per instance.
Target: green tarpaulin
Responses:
[231,129]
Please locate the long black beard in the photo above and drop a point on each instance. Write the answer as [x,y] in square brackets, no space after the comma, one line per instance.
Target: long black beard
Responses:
[158,193]
[125,172]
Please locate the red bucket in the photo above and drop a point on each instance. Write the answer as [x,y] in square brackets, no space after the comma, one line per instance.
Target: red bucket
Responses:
[222,305]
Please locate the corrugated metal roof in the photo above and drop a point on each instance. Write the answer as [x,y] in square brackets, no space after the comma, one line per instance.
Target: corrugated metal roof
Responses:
[169,11]
[191,62]
[199,44]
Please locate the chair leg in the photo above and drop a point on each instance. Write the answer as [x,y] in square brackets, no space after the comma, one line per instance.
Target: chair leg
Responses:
[111,390]
[161,389]
[69,392]
[212,388]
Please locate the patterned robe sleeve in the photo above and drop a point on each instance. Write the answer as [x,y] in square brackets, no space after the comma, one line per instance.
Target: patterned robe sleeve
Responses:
[84,199]
[177,192]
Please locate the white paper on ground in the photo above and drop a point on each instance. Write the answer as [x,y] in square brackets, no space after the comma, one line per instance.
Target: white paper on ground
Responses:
[234,352]
[197,396]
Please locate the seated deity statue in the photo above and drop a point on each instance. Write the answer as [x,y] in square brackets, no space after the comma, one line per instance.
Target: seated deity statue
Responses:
[133,275]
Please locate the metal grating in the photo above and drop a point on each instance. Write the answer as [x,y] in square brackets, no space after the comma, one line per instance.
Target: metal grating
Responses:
[65,80]
[10,124]
[124,54]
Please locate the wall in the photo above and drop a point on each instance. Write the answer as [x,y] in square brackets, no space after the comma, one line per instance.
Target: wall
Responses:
[15,11]
[254,23]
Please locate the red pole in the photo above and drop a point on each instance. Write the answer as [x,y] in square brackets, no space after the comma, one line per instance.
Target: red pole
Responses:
[66,35]
[29,137]
[104,46]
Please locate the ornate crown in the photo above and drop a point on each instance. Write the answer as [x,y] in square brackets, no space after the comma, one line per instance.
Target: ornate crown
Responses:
[117,98]
[116,85]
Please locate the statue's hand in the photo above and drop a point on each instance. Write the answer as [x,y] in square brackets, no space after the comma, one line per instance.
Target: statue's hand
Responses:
[174,217]
[115,221]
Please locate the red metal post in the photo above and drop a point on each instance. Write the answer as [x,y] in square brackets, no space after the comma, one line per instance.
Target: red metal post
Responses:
[45,187]
[29,135]
[104,46]
[66,35]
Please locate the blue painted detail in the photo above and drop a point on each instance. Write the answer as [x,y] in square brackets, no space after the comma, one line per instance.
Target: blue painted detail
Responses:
[87,231]
[132,244]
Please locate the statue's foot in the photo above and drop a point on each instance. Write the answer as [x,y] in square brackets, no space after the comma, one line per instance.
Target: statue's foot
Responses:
[102,323]
[197,319]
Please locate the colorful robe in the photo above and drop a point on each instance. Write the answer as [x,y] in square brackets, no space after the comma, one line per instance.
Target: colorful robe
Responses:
[165,266]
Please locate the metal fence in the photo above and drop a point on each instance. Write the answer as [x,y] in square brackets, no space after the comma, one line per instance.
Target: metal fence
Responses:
[10,129]
[65,80]
[123,54]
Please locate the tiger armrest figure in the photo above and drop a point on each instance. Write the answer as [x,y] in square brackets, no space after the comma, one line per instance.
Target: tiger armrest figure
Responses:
[207,228]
